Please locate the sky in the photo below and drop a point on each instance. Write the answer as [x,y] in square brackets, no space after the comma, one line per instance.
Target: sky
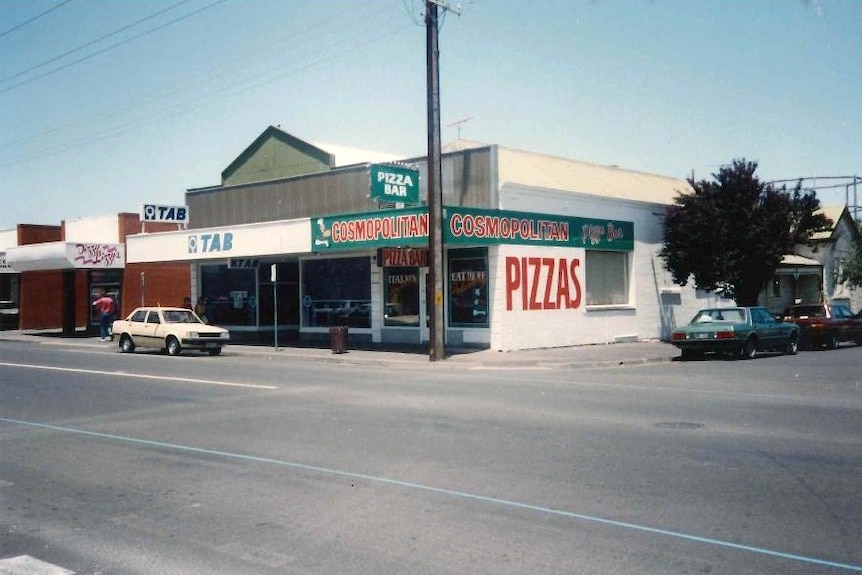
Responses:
[109,104]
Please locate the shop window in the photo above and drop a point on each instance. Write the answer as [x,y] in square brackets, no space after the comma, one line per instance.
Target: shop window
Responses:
[287,292]
[230,295]
[336,291]
[468,287]
[607,278]
[401,287]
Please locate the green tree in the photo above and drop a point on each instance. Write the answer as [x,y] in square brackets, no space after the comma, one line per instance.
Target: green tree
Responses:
[731,233]
[852,272]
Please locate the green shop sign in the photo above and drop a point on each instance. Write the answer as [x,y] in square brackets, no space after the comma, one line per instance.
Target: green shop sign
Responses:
[493,227]
[468,226]
[407,228]
[394,183]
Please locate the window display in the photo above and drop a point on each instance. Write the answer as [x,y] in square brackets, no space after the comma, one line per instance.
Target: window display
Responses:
[401,289]
[468,287]
[336,291]
[230,294]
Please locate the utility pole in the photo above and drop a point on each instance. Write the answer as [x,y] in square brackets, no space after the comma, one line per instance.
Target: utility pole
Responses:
[437,325]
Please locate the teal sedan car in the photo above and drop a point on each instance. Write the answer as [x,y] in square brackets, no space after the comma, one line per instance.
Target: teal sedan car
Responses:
[739,331]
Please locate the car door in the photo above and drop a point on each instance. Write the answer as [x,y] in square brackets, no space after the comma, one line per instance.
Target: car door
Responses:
[842,317]
[152,326]
[767,328]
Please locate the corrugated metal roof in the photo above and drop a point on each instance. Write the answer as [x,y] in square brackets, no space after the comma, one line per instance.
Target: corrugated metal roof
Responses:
[542,171]
[347,156]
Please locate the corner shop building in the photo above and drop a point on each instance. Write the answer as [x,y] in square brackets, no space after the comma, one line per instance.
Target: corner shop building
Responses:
[538,251]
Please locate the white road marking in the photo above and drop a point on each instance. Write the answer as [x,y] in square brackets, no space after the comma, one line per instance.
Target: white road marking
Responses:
[26,565]
[139,376]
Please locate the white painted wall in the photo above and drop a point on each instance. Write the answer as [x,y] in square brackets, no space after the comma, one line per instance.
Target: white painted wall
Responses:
[657,305]
[95,229]
[8,238]
[539,307]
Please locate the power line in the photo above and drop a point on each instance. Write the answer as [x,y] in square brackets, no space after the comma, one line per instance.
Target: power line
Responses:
[323,55]
[33,19]
[96,41]
[213,73]
[111,47]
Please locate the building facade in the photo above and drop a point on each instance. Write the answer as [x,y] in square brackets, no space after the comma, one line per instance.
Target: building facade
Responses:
[60,271]
[538,251]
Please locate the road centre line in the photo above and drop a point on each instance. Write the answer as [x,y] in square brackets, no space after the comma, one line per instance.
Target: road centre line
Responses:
[451,493]
[140,376]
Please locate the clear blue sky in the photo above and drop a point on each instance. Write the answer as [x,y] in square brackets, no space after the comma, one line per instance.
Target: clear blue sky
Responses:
[136,106]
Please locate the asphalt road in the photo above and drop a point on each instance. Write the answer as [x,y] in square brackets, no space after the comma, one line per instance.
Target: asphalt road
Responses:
[149,464]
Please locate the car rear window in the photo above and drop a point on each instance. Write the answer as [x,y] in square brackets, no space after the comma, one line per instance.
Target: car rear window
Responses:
[806,311]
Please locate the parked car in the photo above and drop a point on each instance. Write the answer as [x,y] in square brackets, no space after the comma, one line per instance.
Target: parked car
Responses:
[825,324]
[172,328]
[741,331]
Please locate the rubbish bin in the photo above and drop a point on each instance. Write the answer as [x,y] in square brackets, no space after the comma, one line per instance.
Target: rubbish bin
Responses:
[338,338]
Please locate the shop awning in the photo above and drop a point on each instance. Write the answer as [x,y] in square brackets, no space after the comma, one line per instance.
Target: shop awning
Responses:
[66,256]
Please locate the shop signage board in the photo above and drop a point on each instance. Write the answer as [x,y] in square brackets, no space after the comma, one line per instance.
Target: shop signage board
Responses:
[394,183]
[407,228]
[402,257]
[469,226]
[474,226]
[159,213]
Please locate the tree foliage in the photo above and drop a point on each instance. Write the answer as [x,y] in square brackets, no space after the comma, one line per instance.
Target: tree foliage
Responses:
[852,271]
[731,233]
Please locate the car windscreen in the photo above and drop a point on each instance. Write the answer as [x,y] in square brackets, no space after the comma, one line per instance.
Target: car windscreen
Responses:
[179,316]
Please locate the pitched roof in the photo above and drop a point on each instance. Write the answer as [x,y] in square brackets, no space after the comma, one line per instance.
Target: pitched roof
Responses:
[834,213]
[347,156]
[564,174]
[290,140]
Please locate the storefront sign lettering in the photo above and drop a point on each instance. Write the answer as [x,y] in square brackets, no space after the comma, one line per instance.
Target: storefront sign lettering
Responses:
[592,234]
[96,254]
[208,243]
[542,283]
[363,231]
[478,226]
[156,213]
[463,226]
[508,228]
[394,183]
[402,258]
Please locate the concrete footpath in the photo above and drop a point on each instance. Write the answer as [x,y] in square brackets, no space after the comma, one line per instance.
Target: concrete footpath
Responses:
[597,355]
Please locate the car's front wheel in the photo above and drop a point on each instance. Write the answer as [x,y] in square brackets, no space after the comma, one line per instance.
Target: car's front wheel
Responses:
[831,341]
[749,349]
[126,344]
[214,351]
[173,346]
[792,347]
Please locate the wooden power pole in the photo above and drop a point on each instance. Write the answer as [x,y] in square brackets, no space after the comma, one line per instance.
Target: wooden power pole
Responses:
[437,325]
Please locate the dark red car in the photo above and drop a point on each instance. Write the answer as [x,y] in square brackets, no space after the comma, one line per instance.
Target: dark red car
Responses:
[825,324]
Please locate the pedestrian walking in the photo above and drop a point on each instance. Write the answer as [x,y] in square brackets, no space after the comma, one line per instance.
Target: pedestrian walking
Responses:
[105,305]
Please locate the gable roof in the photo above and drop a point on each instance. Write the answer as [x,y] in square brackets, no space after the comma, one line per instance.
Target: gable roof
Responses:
[836,214]
[531,169]
[273,132]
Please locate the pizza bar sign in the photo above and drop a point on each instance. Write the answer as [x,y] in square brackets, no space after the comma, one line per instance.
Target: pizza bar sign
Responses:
[402,258]
[394,183]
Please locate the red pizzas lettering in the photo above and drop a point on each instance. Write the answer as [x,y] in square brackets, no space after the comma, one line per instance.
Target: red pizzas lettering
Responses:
[543,283]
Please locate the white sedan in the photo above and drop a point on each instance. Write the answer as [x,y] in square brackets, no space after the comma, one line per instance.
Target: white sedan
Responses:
[170,328]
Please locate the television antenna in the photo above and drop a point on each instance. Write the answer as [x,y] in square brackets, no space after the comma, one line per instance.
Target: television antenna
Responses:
[460,123]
